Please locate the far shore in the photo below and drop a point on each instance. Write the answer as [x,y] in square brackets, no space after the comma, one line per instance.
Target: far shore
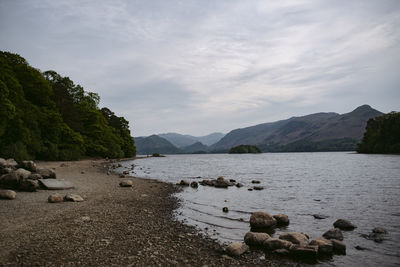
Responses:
[113,226]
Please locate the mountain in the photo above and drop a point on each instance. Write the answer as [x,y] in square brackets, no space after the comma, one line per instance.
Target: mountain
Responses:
[314,132]
[154,144]
[180,140]
[197,148]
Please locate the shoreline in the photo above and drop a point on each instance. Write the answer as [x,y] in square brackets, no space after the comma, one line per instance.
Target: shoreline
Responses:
[113,226]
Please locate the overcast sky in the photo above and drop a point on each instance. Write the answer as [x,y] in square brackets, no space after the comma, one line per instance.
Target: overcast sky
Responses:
[202,66]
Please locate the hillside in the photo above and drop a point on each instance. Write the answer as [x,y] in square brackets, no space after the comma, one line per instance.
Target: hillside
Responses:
[154,144]
[195,148]
[315,132]
[183,140]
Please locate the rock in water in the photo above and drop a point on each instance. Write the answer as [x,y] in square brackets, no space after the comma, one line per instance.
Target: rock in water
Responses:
[184,183]
[239,185]
[276,243]
[295,237]
[7,194]
[73,198]
[222,183]
[225,209]
[194,184]
[338,247]
[304,252]
[255,239]
[325,246]
[281,219]
[46,173]
[333,233]
[127,183]
[379,230]
[262,220]
[344,224]
[236,248]
[55,198]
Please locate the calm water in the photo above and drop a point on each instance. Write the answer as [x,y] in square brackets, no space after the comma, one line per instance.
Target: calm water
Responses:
[364,189]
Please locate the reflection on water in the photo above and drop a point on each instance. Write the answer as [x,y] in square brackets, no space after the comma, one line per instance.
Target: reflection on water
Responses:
[364,189]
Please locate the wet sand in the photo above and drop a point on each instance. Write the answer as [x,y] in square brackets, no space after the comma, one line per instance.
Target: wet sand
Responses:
[114,226]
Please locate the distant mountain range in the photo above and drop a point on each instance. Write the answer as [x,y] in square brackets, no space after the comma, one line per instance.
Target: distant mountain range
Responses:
[315,132]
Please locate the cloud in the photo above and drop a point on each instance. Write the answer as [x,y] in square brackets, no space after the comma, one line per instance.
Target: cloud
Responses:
[205,66]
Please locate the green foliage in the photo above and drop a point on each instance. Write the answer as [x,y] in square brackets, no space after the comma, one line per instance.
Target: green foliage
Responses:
[47,116]
[382,135]
[244,149]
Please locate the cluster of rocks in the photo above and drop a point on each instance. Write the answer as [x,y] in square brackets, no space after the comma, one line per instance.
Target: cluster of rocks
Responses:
[220,182]
[377,234]
[291,244]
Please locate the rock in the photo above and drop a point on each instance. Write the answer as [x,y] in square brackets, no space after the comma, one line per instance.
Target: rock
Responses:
[295,237]
[108,173]
[225,209]
[276,243]
[261,220]
[319,216]
[54,184]
[3,163]
[281,219]
[255,239]
[344,224]
[281,252]
[6,170]
[258,188]
[11,163]
[239,185]
[55,198]
[125,172]
[121,176]
[360,248]
[304,252]
[236,248]
[29,165]
[29,185]
[333,233]
[73,198]
[127,183]
[250,189]
[35,176]
[46,173]
[184,183]
[379,230]
[232,180]
[22,173]
[7,194]
[222,183]
[9,181]
[194,184]
[207,182]
[255,182]
[338,247]
[325,246]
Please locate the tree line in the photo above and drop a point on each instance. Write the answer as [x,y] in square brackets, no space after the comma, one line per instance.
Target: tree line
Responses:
[46,116]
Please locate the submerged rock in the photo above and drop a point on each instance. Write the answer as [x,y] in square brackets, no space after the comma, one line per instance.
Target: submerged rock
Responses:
[222,183]
[344,224]
[325,246]
[239,185]
[258,188]
[225,209]
[379,230]
[236,248]
[7,194]
[262,220]
[255,239]
[255,182]
[333,233]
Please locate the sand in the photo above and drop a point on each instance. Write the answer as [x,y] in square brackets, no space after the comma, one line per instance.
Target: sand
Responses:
[114,226]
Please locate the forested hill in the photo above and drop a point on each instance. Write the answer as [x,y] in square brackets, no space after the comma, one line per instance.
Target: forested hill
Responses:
[46,116]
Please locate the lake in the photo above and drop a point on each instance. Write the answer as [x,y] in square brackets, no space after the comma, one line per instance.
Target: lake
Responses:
[364,189]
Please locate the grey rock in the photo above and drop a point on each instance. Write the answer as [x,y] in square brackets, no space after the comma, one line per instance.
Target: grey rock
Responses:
[236,249]
[338,247]
[255,239]
[320,217]
[127,183]
[11,163]
[225,209]
[281,219]
[333,233]
[55,198]
[46,173]
[325,246]
[379,230]
[22,173]
[35,176]
[258,188]
[222,183]
[260,220]
[344,224]
[295,237]
[29,185]
[7,194]
[53,184]
[276,243]
[9,181]
[73,198]
[2,163]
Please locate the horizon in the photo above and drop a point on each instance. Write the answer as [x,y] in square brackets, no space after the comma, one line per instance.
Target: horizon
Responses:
[202,67]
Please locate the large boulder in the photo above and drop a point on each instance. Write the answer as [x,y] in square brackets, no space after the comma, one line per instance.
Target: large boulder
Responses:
[46,173]
[22,173]
[7,194]
[276,243]
[333,233]
[28,165]
[325,246]
[255,239]
[11,163]
[236,248]
[281,219]
[304,252]
[262,220]
[338,247]
[29,185]
[10,181]
[295,237]
[344,224]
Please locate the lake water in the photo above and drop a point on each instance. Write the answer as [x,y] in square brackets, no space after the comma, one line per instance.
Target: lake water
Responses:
[364,189]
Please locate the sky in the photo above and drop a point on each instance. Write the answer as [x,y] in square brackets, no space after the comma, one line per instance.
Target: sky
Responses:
[197,67]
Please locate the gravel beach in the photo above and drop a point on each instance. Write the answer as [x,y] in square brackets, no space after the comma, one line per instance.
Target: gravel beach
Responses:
[114,226]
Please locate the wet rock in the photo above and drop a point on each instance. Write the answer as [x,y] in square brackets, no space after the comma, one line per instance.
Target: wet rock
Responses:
[255,239]
[236,248]
[232,180]
[35,176]
[379,230]
[344,224]
[320,217]
[333,233]
[127,183]
[338,247]
[29,165]
[7,194]
[73,198]
[276,243]
[258,188]
[281,219]
[184,183]
[194,184]
[239,185]
[325,246]
[55,198]
[29,185]
[225,209]
[222,183]
[262,220]
[250,189]
[255,182]
[304,252]
[295,238]
[46,173]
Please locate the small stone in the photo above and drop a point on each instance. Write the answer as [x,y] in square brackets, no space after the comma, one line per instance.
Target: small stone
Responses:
[121,176]
[239,185]
[319,216]
[194,184]
[255,182]
[232,180]
[73,198]
[225,209]
[29,185]
[7,194]
[258,188]
[333,233]
[46,173]
[127,183]
[55,198]
[344,224]
[237,248]
[360,248]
